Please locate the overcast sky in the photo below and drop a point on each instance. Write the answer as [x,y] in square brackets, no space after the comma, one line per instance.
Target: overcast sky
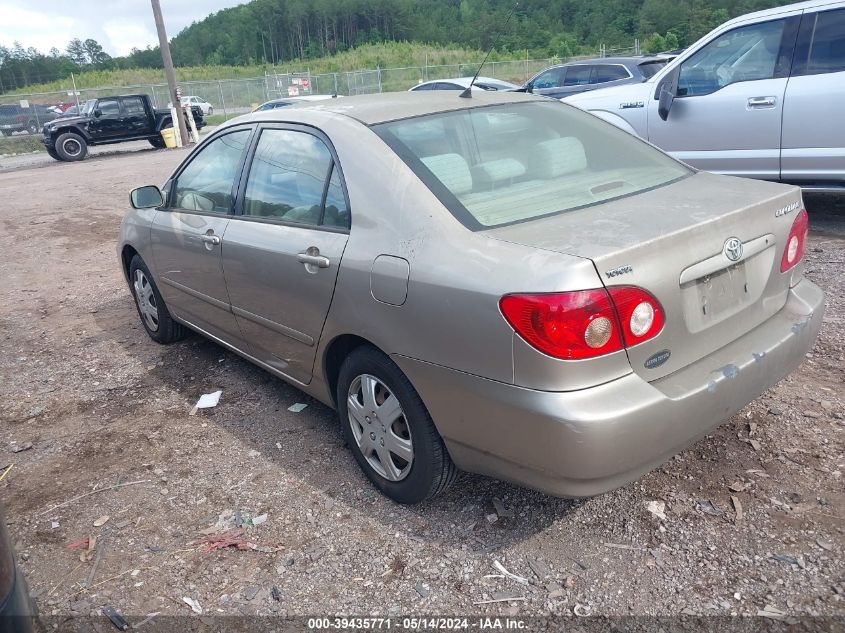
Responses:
[118,26]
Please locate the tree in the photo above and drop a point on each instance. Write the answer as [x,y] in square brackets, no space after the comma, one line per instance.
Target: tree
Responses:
[94,52]
[76,51]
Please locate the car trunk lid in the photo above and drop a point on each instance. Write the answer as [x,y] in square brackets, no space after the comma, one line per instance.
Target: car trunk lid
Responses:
[671,241]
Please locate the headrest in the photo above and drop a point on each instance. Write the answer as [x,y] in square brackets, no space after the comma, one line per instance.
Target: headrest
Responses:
[452,170]
[558,157]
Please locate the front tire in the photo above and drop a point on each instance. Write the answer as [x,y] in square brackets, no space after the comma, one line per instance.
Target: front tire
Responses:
[71,147]
[52,153]
[154,315]
[389,430]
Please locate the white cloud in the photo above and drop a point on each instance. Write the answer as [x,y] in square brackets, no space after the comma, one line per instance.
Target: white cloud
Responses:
[117,26]
[124,36]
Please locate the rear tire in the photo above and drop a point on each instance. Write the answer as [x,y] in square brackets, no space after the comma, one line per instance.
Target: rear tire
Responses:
[210,111]
[157,142]
[71,147]
[32,127]
[154,315]
[418,466]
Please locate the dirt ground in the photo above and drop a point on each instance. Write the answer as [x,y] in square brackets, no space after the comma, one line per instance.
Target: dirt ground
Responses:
[102,405]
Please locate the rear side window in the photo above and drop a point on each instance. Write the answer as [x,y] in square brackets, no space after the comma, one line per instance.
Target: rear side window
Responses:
[133,106]
[206,182]
[822,47]
[289,179]
[577,75]
[609,72]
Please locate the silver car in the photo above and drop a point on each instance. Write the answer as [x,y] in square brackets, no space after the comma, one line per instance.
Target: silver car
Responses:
[760,96]
[503,284]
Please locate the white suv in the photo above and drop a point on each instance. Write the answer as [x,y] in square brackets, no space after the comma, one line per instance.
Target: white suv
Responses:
[760,96]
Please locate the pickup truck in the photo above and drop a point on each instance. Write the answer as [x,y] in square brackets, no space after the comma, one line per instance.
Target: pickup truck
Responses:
[760,97]
[109,120]
[14,118]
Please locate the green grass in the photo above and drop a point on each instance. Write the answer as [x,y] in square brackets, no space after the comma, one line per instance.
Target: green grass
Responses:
[370,56]
[215,119]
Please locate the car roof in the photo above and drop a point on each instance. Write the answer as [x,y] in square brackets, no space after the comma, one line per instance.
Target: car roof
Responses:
[464,81]
[797,6]
[391,106]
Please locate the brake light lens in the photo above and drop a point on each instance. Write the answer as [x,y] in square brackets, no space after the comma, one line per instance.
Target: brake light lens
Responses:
[568,325]
[794,250]
[585,323]
[640,314]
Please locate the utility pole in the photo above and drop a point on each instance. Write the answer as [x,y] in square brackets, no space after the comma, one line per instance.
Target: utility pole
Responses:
[179,123]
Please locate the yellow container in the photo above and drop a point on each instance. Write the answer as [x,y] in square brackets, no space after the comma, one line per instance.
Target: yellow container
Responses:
[169,136]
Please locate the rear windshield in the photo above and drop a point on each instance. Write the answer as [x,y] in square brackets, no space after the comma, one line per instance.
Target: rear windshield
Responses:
[502,164]
[649,69]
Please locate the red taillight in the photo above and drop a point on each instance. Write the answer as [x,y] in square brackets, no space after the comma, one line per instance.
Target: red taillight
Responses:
[584,323]
[640,314]
[569,325]
[794,249]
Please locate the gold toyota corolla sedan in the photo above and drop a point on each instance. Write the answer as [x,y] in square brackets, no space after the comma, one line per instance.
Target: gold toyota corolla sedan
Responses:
[501,284]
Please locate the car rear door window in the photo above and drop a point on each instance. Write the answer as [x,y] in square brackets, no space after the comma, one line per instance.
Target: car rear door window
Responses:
[288,181]
[577,75]
[133,106]
[206,183]
[822,44]
[609,72]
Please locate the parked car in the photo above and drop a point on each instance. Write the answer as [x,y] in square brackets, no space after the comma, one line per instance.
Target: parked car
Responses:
[759,96]
[17,611]
[106,121]
[591,74]
[502,284]
[71,111]
[284,102]
[14,118]
[461,83]
[205,107]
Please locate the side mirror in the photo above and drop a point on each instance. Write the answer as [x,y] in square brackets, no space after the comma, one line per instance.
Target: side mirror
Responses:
[97,113]
[147,197]
[668,91]
[529,87]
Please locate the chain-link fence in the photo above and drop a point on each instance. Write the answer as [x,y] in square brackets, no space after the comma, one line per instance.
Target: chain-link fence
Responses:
[23,115]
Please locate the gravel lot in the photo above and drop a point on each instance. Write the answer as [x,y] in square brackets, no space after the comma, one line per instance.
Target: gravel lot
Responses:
[100,404]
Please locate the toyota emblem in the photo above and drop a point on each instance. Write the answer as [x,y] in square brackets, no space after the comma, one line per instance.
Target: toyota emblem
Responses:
[733,249]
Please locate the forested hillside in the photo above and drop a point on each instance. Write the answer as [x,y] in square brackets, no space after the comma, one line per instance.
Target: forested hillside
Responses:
[275,30]
[278,31]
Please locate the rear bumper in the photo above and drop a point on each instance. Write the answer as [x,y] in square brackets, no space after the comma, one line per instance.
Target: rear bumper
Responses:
[582,443]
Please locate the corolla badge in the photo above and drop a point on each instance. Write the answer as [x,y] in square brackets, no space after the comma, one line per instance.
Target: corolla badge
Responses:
[656,360]
[733,249]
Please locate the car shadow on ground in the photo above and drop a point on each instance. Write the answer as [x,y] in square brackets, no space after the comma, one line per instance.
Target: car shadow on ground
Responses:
[309,445]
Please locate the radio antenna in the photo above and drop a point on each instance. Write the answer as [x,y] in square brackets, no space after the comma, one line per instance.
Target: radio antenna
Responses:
[467,93]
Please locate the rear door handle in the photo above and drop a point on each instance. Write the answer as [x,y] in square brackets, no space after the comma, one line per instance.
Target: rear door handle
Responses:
[313,259]
[211,239]
[762,102]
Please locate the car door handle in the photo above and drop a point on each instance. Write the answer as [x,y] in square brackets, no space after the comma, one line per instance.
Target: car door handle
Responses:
[314,260]
[762,102]
[211,239]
